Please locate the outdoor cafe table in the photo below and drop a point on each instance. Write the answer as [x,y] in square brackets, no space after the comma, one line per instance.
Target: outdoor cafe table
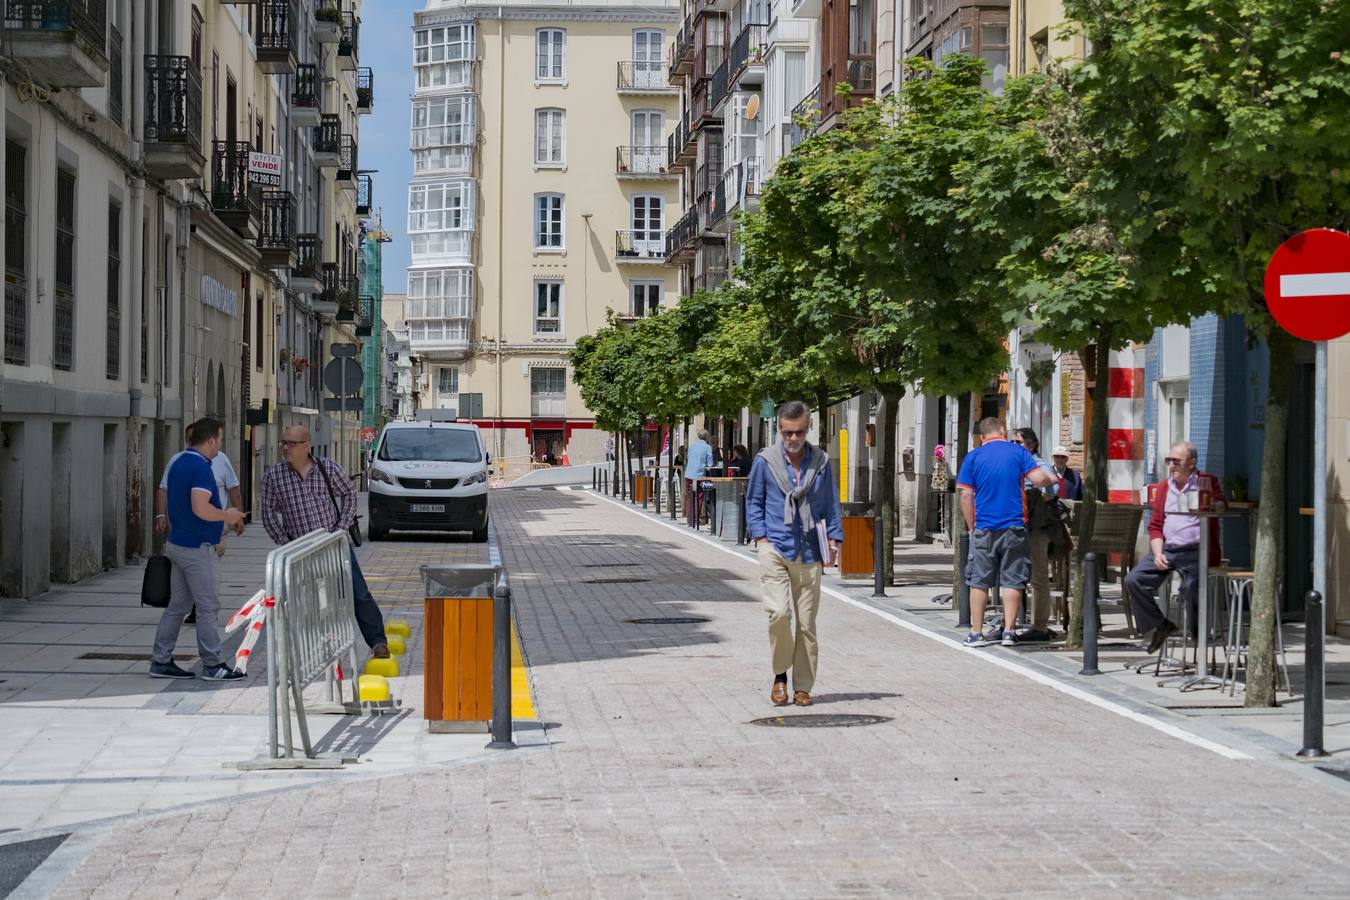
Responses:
[1202,678]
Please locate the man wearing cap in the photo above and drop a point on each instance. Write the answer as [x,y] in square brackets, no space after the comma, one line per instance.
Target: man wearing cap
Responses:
[1070,482]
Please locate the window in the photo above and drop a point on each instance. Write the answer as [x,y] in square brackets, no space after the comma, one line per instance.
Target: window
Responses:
[16,254]
[546,380]
[114,323]
[444,56]
[549,47]
[956,42]
[548,137]
[441,217]
[447,380]
[647,224]
[649,69]
[994,52]
[195,48]
[548,307]
[443,134]
[646,297]
[548,221]
[440,294]
[63,309]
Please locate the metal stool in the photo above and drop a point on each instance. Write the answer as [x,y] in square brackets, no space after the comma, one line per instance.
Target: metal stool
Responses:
[1239,596]
[1175,668]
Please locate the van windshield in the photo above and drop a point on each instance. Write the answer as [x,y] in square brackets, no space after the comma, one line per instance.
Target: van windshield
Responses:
[433,444]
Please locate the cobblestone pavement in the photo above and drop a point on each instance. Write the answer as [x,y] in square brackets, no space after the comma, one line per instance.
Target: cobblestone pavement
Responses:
[982,782]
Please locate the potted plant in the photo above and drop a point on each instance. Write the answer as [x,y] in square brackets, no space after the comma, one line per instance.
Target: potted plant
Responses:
[329,12]
[1235,486]
[283,358]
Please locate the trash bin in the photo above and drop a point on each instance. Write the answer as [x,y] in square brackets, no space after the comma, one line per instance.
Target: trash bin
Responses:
[856,556]
[457,647]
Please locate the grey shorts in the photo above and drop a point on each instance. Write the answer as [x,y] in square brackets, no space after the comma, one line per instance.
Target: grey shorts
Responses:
[999,557]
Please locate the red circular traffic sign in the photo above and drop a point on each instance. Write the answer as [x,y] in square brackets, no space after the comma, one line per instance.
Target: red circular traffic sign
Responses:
[1308,284]
[367,435]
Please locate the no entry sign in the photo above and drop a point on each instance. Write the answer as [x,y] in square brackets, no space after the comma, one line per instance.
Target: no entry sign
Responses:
[1308,284]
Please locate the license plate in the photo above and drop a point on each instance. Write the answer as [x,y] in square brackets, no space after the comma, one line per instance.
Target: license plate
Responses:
[426,507]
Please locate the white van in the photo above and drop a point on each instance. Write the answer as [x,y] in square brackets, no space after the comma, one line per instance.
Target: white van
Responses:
[429,476]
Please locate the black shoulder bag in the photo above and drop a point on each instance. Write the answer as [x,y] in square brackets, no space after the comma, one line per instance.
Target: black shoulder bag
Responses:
[354,531]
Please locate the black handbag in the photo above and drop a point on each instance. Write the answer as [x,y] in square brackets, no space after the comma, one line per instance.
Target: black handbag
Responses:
[155,586]
[354,531]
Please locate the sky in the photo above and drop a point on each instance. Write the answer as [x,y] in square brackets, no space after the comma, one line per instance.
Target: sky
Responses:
[386,46]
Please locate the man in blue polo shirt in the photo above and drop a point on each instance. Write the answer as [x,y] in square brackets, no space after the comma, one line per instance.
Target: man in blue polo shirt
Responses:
[991,500]
[196,521]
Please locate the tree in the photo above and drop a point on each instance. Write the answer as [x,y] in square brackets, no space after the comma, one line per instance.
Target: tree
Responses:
[1247,101]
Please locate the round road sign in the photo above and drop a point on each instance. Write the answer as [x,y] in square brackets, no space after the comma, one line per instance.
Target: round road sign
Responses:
[1308,284]
[367,436]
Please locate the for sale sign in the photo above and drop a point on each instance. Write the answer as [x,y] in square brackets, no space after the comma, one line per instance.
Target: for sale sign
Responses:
[264,169]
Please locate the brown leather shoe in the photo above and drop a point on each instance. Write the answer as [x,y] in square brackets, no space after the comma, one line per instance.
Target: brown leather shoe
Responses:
[803,699]
[1160,636]
[380,650]
[779,694]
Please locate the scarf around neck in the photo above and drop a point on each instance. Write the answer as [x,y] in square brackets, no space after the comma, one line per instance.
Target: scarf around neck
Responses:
[794,498]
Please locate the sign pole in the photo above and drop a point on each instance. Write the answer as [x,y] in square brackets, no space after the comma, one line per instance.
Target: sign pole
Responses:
[1320,473]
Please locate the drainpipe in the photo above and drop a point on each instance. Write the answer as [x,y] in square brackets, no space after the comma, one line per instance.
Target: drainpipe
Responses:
[136,485]
[501,206]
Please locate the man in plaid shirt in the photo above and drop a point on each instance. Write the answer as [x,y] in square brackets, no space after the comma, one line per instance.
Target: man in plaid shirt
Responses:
[297,499]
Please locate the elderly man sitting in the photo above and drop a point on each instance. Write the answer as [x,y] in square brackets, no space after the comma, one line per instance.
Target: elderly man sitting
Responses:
[1174,542]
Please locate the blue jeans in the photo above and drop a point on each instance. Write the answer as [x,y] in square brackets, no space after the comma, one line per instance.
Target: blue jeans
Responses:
[368,616]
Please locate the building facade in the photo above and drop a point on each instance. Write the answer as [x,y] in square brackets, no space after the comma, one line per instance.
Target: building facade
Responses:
[539,201]
[195,156]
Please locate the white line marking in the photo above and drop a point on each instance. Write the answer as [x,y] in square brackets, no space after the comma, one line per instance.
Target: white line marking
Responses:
[982,655]
[1318,284]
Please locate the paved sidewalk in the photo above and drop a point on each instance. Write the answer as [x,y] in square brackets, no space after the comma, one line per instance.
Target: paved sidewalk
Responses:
[86,739]
[981,782]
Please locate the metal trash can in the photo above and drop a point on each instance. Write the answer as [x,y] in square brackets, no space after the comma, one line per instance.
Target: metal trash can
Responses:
[457,647]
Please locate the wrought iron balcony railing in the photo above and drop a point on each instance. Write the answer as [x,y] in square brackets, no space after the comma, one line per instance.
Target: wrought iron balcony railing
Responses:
[643,75]
[748,48]
[365,194]
[328,283]
[276,236]
[805,118]
[308,252]
[365,89]
[348,290]
[234,200]
[351,33]
[636,245]
[682,235]
[87,18]
[641,160]
[717,90]
[275,36]
[173,101]
[346,157]
[328,134]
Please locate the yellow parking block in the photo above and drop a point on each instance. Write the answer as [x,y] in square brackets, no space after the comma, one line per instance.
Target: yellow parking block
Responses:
[522,704]
[374,688]
[386,667]
[396,645]
[398,627]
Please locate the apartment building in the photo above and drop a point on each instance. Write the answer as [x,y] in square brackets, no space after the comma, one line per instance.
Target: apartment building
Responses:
[539,200]
[184,155]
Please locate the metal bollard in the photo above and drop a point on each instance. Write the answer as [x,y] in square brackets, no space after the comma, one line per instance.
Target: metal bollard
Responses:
[672,496]
[656,493]
[1090,616]
[595,478]
[1314,675]
[501,666]
[878,557]
[604,482]
[963,589]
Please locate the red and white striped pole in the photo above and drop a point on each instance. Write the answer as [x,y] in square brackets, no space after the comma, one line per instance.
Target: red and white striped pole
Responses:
[1125,427]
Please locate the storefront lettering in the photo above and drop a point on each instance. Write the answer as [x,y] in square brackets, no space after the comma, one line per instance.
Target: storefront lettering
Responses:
[218,296]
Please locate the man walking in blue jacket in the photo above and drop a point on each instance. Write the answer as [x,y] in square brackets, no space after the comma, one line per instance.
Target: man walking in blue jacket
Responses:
[793,518]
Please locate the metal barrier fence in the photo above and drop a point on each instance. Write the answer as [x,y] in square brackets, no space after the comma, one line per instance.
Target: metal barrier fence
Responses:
[313,629]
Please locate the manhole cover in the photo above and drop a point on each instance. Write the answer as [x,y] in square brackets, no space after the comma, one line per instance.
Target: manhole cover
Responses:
[131,657]
[668,620]
[616,580]
[821,720]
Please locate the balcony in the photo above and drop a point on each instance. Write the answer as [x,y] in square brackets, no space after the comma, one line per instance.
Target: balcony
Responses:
[682,52]
[348,297]
[235,202]
[365,316]
[275,40]
[325,300]
[805,119]
[58,43]
[347,43]
[346,168]
[307,273]
[710,280]
[642,163]
[173,118]
[440,339]
[276,237]
[328,141]
[365,90]
[747,56]
[639,247]
[743,183]
[680,149]
[305,95]
[644,77]
[702,111]
[706,60]
[680,239]
[717,88]
[365,193]
[328,22]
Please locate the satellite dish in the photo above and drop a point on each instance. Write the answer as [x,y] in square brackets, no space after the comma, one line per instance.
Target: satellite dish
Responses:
[752,107]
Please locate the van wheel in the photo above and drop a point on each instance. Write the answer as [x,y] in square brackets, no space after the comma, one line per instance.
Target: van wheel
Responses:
[480,534]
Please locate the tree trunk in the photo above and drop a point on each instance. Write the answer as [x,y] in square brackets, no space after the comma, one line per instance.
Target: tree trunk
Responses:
[956,521]
[823,424]
[1267,560]
[1094,482]
[889,418]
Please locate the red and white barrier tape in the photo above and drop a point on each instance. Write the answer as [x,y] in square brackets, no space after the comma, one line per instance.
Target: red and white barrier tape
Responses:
[252,614]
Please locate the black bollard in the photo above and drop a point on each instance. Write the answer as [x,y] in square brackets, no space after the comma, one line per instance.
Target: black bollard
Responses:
[672,496]
[1314,675]
[656,493]
[595,478]
[646,489]
[963,589]
[1091,614]
[501,666]
[878,557]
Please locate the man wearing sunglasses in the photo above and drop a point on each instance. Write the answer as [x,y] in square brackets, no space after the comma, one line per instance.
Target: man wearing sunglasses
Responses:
[1174,543]
[792,489]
